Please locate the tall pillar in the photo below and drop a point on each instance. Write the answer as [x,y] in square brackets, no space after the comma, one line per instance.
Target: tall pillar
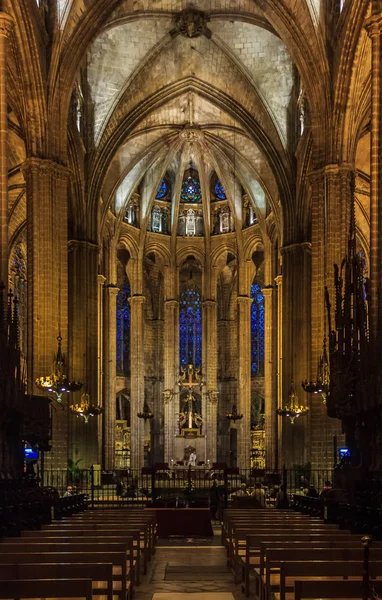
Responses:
[137,370]
[47,239]
[171,373]
[109,374]
[100,319]
[211,355]
[296,266]
[277,419]
[6,26]
[244,380]
[83,344]
[374,29]
[270,399]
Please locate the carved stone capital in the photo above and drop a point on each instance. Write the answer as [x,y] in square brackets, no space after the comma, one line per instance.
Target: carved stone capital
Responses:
[293,248]
[6,24]
[35,166]
[373,25]
[192,23]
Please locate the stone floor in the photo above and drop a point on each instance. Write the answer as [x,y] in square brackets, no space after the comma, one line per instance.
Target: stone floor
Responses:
[187,570]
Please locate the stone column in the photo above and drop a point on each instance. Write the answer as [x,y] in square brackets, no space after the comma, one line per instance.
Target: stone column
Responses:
[244,380]
[137,369]
[47,239]
[100,365]
[83,344]
[270,399]
[374,29]
[109,374]
[210,339]
[171,373]
[296,265]
[278,420]
[6,26]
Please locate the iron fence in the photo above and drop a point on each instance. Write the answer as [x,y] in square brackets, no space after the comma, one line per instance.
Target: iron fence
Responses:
[180,486]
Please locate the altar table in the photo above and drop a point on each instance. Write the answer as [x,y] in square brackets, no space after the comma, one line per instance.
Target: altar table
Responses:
[187,522]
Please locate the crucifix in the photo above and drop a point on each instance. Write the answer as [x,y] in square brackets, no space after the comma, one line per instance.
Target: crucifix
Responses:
[191,379]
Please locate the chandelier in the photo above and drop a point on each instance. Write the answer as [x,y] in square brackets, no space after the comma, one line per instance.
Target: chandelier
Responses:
[85,409]
[321,385]
[292,409]
[234,415]
[146,414]
[58,382]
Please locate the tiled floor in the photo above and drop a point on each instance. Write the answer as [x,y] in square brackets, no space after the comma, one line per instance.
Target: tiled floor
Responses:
[159,579]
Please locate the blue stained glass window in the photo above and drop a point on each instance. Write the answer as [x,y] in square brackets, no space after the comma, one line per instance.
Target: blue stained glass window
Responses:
[162,190]
[219,190]
[257,330]
[123,330]
[190,328]
[191,191]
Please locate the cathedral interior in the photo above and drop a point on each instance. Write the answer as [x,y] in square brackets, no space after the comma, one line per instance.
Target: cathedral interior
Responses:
[177,181]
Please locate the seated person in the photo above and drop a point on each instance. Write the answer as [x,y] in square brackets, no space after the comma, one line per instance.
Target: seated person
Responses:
[259,494]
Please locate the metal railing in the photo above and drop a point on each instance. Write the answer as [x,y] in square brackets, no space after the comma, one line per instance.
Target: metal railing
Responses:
[180,486]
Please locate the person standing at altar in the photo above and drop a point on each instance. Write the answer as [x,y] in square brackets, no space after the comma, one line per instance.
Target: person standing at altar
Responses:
[192,459]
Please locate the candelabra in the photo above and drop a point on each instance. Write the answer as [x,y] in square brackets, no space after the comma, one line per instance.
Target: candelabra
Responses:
[234,415]
[58,382]
[292,409]
[146,414]
[85,409]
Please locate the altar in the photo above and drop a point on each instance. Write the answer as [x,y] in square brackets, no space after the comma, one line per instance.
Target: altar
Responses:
[182,444]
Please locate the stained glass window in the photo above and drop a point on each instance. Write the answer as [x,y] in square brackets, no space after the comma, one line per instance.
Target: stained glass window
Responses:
[123,330]
[219,190]
[162,190]
[257,330]
[190,334]
[191,191]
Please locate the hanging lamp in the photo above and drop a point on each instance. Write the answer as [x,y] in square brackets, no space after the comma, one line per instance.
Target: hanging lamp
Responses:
[146,413]
[321,384]
[85,408]
[234,415]
[57,382]
[292,409]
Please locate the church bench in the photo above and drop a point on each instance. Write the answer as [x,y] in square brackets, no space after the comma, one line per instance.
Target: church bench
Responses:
[84,548]
[146,524]
[99,573]
[264,528]
[68,538]
[313,590]
[117,559]
[290,571]
[275,556]
[46,588]
[250,558]
[139,542]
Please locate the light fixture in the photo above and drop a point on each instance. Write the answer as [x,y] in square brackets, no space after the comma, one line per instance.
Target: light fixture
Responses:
[146,414]
[234,415]
[321,385]
[292,409]
[57,382]
[85,409]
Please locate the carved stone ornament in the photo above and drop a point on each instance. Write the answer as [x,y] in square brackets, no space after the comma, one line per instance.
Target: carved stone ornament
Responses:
[191,134]
[213,396]
[168,396]
[192,23]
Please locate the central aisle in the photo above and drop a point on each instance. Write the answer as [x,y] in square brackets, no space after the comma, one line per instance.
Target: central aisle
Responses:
[188,572]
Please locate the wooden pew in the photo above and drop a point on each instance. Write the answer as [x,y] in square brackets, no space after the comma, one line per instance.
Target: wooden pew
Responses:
[99,573]
[117,559]
[290,571]
[144,527]
[275,556]
[254,543]
[89,540]
[308,590]
[46,588]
